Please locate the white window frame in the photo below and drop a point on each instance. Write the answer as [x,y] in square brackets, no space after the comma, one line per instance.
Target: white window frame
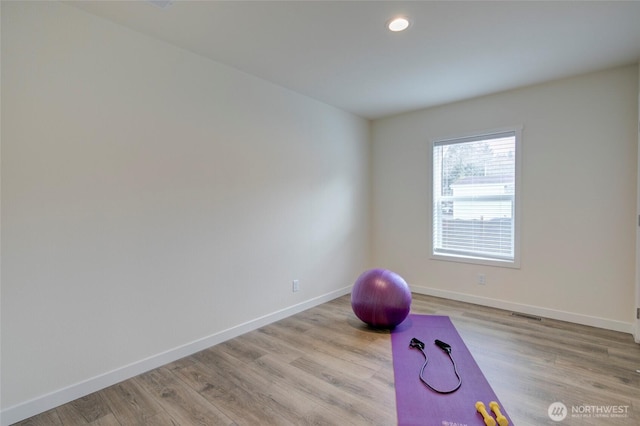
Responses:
[517,213]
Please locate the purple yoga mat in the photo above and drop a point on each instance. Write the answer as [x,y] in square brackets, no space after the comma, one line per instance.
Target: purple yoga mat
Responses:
[419,405]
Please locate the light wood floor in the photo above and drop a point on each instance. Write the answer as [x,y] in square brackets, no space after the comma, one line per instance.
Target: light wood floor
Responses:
[324,367]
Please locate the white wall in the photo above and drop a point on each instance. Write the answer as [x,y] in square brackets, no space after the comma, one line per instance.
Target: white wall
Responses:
[579,178]
[152,198]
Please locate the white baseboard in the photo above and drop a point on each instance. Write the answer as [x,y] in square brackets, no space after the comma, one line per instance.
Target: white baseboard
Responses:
[62,396]
[529,309]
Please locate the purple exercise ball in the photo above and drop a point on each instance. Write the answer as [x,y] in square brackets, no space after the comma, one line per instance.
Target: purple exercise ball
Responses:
[381,298]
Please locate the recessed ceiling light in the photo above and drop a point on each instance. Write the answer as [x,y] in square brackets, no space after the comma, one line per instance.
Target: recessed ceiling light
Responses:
[398,24]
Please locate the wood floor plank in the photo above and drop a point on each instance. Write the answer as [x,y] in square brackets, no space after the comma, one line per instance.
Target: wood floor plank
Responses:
[307,342]
[84,410]
[265,393]
[335,362]
[183,403]
[346,407]
[241,405]
[339,375]
[130,404]
[107,420]
[48,418]
[273,345]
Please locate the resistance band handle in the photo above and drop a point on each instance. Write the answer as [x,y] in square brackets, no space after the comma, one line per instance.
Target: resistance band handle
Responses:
[415,343]
[444,346]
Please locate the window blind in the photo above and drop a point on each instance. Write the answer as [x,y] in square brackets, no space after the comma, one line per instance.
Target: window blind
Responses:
[474,192]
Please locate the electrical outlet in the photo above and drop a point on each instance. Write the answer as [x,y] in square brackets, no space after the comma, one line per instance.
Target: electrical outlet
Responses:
[295,285]
[482,280]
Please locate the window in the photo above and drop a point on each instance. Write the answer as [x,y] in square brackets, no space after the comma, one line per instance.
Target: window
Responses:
[475,189]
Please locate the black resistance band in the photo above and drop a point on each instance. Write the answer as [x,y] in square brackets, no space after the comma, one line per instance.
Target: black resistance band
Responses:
[417,344]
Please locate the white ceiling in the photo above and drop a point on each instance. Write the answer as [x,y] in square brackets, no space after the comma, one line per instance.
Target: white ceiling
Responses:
[340,52]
